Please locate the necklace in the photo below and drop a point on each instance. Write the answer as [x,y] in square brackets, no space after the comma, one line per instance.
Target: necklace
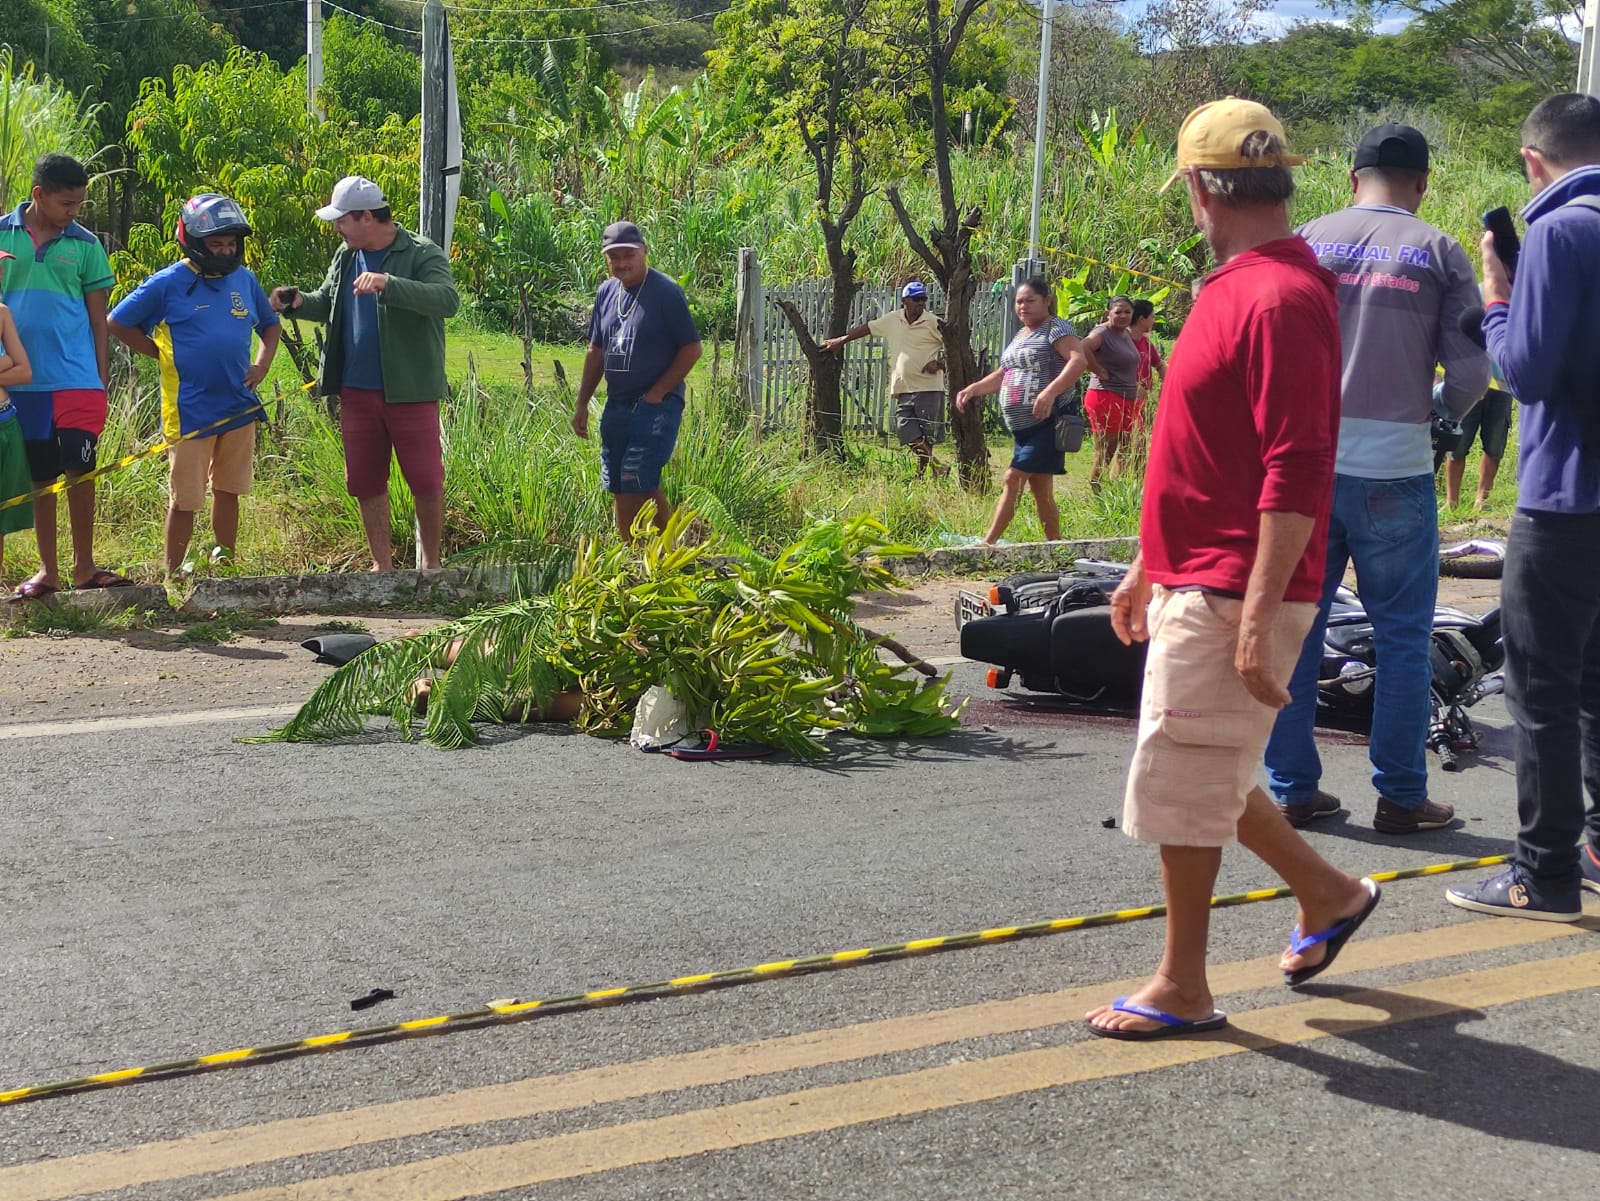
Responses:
[633,302]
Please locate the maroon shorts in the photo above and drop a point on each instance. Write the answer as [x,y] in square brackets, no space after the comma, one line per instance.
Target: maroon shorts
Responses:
[373,428]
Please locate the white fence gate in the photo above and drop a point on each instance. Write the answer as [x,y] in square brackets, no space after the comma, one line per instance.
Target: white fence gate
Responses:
[774,370]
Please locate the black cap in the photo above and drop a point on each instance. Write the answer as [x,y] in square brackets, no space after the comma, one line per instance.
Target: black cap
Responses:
[1392,146]
[622,234]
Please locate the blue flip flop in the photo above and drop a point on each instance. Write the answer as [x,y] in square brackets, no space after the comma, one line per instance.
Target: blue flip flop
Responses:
[1335,936]
[1170,1023]
[707,745]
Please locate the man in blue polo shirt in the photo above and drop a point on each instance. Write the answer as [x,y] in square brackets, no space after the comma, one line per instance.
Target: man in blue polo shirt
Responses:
[642,342]
[57,289]
[197,318]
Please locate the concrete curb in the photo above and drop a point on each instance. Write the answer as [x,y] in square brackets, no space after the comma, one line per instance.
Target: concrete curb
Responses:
[452,588]
[353,592]
[1008,560]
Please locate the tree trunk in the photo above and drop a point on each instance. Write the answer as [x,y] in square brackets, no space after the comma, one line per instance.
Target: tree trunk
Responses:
[950,254]
[966,429]
[825,396]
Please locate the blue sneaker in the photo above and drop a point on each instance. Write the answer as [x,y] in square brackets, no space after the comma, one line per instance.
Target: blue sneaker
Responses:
[1589,861]
[1509,895]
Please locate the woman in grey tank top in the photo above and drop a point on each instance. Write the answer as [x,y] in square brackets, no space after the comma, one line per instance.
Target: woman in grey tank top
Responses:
[1112,401]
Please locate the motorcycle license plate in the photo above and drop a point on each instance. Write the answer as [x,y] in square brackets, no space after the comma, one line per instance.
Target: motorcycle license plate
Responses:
[970,606]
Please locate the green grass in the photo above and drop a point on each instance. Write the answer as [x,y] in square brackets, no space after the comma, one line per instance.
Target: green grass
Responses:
[224,627]
[48,619]
[521,487]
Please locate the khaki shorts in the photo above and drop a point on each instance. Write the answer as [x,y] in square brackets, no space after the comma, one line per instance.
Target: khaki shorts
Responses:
[1201,733]
[225,459]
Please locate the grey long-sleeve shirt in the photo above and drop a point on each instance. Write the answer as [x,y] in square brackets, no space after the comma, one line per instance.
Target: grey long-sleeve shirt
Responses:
[1403,286]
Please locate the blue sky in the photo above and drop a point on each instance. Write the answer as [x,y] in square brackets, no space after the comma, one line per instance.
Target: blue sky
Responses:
[1284,14]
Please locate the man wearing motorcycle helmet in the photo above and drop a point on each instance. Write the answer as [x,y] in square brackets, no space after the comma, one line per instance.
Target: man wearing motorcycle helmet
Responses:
[197,318]
[211,232]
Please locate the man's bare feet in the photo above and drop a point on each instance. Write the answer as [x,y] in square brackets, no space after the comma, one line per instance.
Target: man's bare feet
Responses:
[1158,993]
[1323,912]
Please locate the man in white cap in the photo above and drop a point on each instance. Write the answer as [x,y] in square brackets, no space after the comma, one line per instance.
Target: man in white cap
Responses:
[1229,571]
[914,339]
[643,343]
[385,299]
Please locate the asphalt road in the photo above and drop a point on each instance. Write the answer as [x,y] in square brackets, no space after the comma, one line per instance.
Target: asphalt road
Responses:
[170,892]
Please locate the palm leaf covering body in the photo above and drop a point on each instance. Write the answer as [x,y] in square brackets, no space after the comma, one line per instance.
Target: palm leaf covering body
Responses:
[760,650]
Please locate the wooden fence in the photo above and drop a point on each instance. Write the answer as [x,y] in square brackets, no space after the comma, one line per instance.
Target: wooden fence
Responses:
[774,371]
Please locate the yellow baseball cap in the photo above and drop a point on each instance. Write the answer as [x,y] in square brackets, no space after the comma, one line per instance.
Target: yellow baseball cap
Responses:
[1213,136]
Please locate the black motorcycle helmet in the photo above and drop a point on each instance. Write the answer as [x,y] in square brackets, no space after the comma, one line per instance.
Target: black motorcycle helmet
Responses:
[206,216]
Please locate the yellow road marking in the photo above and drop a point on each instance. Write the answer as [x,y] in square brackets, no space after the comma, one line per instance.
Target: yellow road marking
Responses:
[225,1150]
[816,1110]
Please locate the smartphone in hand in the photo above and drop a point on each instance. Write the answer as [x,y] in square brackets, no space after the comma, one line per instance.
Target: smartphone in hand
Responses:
[1506,243]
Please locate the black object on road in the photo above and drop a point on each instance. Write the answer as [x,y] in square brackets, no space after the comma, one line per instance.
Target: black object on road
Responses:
[372,998]
[339,649]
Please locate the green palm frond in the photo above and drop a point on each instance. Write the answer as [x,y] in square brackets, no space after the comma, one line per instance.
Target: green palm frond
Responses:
[760,650]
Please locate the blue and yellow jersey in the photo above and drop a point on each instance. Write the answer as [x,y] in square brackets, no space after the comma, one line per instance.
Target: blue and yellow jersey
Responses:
[202,326]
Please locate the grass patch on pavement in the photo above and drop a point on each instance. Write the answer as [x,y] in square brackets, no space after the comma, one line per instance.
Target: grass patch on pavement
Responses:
[224,627]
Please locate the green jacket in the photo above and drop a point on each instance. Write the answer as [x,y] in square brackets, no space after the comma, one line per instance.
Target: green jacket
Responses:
[411,312]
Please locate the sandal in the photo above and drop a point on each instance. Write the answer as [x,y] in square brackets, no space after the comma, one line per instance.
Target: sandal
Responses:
[32,590]
[1334,937]
[105,579]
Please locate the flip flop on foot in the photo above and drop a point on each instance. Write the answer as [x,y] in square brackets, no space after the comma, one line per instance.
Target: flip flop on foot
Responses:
[1334,937]
[105,579]
[1170,1024]
[32,590]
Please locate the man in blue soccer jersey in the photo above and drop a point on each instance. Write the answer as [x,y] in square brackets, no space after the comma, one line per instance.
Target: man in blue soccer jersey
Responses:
[197,318]
[642,342]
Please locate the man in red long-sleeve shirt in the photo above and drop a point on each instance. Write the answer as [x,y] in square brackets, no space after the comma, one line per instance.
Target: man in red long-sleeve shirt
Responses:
[1225,587]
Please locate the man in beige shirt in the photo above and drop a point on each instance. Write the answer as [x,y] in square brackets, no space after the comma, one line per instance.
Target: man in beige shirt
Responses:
[914,338]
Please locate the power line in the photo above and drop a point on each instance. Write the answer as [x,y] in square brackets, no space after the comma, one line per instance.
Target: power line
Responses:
[169,16]
[578,37]
[512,10]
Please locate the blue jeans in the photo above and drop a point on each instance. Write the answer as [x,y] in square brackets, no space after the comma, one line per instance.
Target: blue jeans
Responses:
[1390,530]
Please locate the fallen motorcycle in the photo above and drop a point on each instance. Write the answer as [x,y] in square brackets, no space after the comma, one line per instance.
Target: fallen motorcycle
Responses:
[1051,632]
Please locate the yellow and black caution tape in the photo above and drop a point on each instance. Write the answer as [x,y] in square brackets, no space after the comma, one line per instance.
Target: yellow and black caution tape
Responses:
[497,1012]
[128,460]
[72,481]
[1160,279]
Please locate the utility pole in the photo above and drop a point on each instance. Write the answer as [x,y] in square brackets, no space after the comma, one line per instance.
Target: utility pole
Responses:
[313,55]
[435,54]
[1587,82]
[1033,265]
[1041,112]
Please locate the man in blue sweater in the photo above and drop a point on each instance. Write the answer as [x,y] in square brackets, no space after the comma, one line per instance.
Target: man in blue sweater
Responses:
[1543,333]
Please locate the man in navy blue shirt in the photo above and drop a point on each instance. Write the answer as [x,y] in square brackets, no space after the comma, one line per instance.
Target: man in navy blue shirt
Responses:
[642,342]
[1543,333]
